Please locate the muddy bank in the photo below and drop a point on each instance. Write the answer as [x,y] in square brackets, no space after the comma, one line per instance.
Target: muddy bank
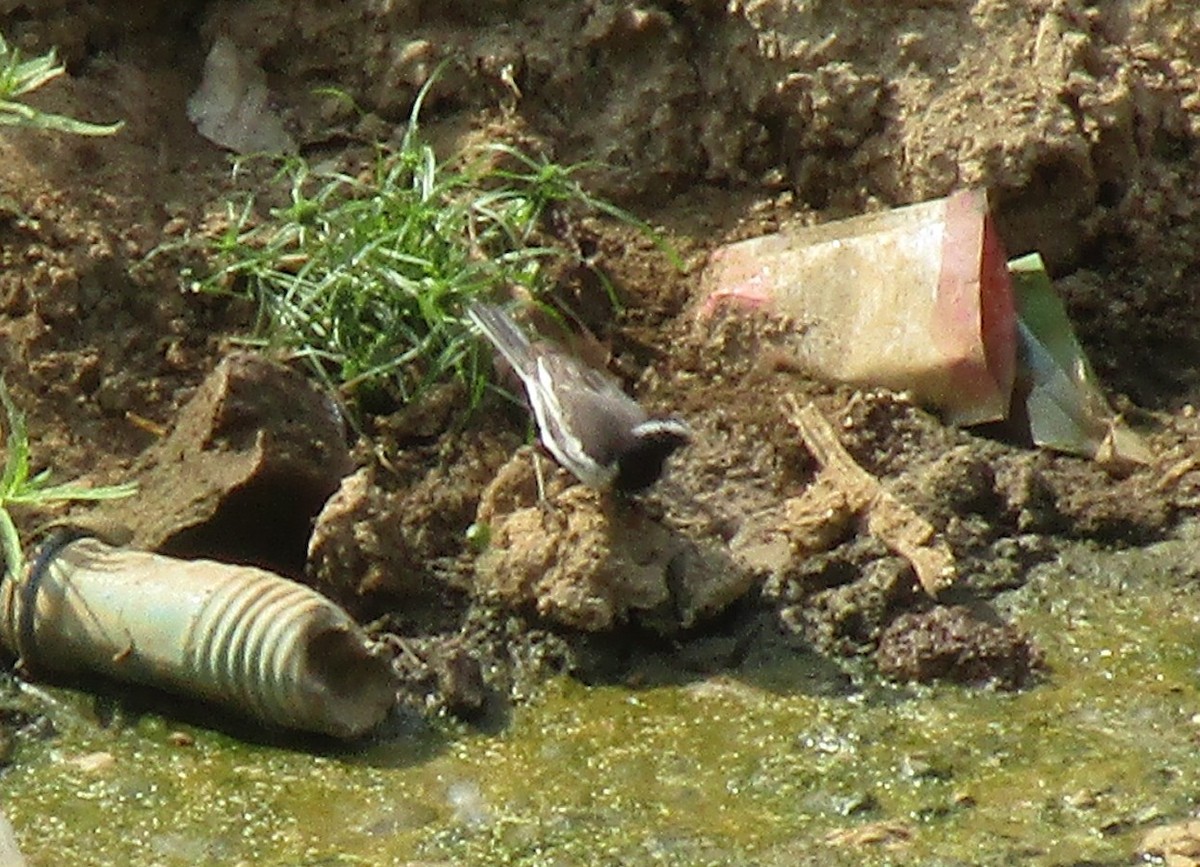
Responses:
[717,122]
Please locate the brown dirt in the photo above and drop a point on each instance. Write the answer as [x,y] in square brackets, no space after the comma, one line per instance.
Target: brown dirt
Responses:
[717,121]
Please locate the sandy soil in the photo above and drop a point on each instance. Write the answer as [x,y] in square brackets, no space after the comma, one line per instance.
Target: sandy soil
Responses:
[718,122]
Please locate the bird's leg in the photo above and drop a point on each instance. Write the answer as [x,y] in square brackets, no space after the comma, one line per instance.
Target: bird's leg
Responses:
[545,507]
[541,481]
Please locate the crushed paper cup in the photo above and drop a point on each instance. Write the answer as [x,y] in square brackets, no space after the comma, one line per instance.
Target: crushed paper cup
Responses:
[916,299]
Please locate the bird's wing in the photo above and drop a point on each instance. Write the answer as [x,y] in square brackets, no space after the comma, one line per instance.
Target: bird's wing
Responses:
[589,403]
[508,338]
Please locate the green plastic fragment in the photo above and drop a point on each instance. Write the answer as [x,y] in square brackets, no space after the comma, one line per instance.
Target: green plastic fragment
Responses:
[1065,405]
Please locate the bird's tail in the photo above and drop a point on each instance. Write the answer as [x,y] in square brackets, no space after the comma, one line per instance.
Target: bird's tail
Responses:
[506,335]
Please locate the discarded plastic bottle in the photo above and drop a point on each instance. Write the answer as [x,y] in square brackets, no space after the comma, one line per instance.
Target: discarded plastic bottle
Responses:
[249,640]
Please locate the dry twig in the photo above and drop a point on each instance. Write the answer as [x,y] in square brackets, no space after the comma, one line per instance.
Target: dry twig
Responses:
[894,523]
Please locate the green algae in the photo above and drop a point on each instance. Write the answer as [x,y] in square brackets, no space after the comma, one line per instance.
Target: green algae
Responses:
[758,765]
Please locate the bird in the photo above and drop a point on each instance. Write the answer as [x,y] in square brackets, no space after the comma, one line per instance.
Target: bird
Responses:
[585,420]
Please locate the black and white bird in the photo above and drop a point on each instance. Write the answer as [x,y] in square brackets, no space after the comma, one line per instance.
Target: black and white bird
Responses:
[585,420]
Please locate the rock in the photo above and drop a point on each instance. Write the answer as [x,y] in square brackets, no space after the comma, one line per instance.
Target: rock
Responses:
[251,458]
[10,853]
[1177,845]
[586,560]
[950,643]
[461,683]
[94,763]
[350,552]
[232,107]
[397,533]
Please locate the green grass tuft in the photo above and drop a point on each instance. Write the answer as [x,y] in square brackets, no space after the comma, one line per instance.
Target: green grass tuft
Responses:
[19,487]
[19,76]
[365,276]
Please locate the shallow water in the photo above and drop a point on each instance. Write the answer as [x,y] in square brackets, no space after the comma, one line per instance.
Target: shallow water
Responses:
[761,765]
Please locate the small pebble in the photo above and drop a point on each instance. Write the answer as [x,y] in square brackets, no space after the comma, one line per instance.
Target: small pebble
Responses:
[94,763]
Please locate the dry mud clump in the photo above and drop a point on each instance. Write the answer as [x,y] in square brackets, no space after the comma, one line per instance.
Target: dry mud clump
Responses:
[718,121]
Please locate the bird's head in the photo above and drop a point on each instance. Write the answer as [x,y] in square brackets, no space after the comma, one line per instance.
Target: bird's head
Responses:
[641,463]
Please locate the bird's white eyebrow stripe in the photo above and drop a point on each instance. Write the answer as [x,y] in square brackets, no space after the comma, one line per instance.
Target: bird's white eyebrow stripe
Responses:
[663,425]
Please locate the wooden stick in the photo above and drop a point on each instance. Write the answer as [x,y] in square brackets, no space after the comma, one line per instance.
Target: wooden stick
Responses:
[892,522]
